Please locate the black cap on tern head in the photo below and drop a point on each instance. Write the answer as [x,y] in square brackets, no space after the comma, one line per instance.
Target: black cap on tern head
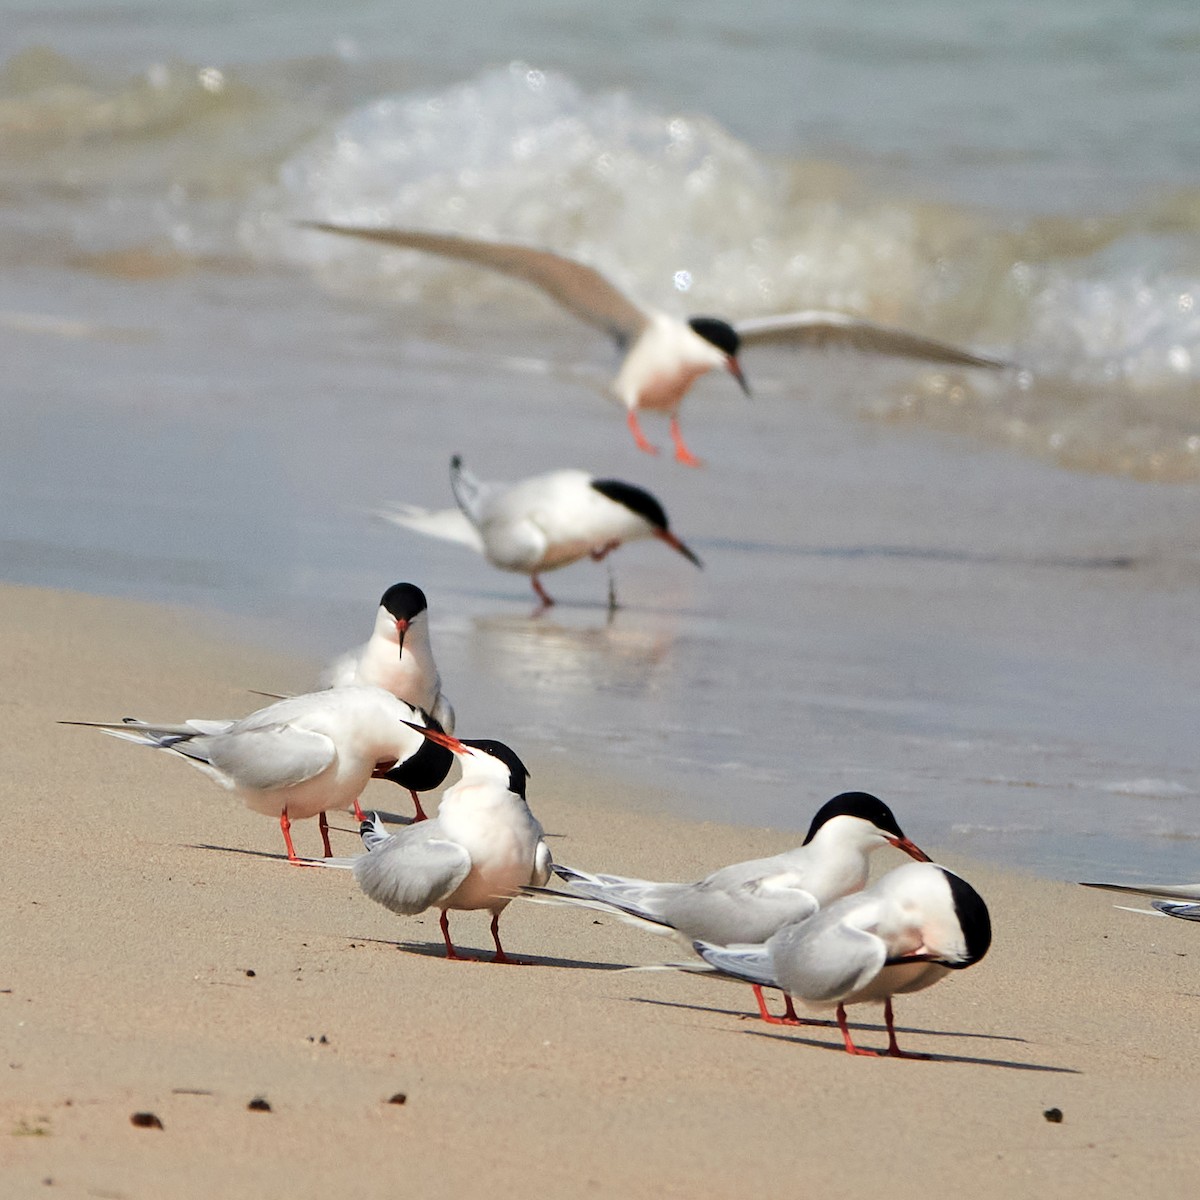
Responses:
[518,772]
[720,333]
[973,919]
[636,499]
[404,601]
[428,767]
[855,804]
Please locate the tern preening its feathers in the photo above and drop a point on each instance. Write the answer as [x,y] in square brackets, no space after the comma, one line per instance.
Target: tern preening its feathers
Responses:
[902,934]
[477,853]
[301,756]
[544,522]
[398,657]
[663,356]
[749,901]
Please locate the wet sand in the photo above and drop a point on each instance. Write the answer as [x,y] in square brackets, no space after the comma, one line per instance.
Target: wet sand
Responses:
[140,898]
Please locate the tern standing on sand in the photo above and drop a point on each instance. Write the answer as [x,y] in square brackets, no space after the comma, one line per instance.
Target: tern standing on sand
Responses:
[297,758]
[483,846]
[902,934]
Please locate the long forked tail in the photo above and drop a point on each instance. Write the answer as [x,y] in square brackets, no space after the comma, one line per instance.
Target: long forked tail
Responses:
[449,524]
[626,899]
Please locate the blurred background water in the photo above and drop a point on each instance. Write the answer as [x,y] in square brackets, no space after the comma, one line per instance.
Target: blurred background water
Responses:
[974,594]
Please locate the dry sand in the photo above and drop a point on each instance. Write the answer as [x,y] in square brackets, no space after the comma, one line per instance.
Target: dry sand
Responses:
[139,899]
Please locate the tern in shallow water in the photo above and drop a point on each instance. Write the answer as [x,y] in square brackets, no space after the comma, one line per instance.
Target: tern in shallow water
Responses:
[544,522]
[301,756]
[902,934]
[663,356]
[398,657]
[483,846]
[1180,900]
[749,901]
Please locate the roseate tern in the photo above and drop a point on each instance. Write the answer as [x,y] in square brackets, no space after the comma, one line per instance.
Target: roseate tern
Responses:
[1180,900]
[663,356]
[904,933]
[544,522]
[749,901]
[398,657]
[483,846]
[301,756]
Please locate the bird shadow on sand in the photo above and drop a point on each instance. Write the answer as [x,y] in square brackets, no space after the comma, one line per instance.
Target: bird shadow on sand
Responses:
[437,950]
[746,1014]
[838,1048]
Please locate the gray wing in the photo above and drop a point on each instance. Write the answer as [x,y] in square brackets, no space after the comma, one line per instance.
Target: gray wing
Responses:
[815,327]
[823,960]
[266,757]
[1168,891]
[1173,908]
[745,902]
[579,289]
[412,869]
[751,963]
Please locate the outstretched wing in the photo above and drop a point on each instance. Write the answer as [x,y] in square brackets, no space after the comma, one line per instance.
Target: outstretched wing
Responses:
[816,327]
[579,289]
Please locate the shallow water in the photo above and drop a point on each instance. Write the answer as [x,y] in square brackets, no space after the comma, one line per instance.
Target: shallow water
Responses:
[951,589]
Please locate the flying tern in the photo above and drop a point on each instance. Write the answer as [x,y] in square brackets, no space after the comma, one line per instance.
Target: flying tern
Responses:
[398,657]
[663,356]
[1180,900]
[750,901]
[301,756]
[544,522]
[903,934]
[483,846]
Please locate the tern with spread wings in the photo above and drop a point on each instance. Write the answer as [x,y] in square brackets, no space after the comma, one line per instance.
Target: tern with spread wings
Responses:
[663,356]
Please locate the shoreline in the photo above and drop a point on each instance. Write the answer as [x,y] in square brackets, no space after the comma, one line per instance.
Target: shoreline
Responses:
[140,897]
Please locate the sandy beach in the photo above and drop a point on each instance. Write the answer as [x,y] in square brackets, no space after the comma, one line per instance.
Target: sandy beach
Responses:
[159,957]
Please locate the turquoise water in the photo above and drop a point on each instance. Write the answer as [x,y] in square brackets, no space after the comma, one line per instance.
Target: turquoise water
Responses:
[975,596]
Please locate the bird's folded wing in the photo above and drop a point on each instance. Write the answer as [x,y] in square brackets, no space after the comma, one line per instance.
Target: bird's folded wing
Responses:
[823,961]
[751,963]
[816,327]
[449,524]
[271,756]
[1175,908]
[579,289]
[1168,891]
[412,869]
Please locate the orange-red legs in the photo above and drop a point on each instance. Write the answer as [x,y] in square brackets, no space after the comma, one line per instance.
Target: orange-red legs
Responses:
[417,804]
[789,1013]
[638,436]
[682,453]
[453,954]
[851,1048]
[893,1049]
[444,922]
[359,815]
[323,825]
[543,595]
[293,857]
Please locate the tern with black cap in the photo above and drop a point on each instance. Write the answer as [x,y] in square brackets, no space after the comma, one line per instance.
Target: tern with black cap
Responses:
[662,355]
